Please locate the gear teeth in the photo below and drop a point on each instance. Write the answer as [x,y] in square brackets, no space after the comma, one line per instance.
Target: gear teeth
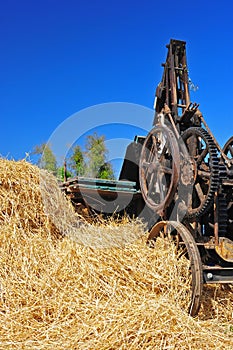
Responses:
[222,171]
[222,215]
[214,167]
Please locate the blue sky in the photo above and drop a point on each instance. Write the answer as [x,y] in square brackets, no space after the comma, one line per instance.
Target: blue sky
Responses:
[59,57]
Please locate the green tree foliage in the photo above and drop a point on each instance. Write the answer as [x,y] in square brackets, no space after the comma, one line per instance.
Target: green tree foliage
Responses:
[92,162]
[96,154]
[76,161]
[106,172]
[61,173]
[47,159]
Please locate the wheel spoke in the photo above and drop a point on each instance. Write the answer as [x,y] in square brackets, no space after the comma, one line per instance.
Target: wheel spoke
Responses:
[202,156]
[154,149]
[204,174]
[199,192]
[154,140]
[161,189]
[146,164]
[151,184]
[162,154]
[166,170]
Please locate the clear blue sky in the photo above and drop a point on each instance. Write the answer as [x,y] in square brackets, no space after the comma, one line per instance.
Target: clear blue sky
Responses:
[58,57]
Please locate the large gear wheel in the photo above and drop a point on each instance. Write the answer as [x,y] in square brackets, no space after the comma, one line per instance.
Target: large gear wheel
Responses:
[159,168]
[203,156]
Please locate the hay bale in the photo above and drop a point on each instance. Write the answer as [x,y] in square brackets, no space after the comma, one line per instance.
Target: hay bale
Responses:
[58,294]
[30,198]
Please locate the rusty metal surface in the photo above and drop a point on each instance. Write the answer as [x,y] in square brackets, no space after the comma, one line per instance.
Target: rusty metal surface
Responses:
[207,171]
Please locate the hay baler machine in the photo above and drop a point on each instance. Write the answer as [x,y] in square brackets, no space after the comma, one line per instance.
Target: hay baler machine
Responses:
[186,179]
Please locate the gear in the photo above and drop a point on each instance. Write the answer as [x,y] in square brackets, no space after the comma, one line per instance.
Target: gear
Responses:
[222,215]
[203,154]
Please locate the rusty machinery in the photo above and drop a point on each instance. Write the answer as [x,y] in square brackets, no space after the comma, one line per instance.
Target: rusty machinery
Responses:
[181,175]
[186,178]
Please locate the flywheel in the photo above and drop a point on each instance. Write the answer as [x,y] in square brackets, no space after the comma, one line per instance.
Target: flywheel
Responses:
[159,168]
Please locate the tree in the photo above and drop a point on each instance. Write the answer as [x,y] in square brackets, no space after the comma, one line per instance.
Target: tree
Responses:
[96,154]
[76,161]
[106,172]
[61,173]
[47,159]
[90,163]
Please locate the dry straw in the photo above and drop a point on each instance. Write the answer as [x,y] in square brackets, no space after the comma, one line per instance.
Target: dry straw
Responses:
[56,292]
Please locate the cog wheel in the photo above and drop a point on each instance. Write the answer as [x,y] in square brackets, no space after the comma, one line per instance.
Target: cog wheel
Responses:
[203,154]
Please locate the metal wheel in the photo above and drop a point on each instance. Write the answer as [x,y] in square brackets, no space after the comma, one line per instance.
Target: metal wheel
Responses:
[186,249]
[159,168]
[203,156]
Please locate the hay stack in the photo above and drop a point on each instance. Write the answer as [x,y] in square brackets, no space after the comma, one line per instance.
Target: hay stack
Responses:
[58,294]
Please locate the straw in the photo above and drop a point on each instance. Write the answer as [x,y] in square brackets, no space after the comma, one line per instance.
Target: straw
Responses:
[58,292]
